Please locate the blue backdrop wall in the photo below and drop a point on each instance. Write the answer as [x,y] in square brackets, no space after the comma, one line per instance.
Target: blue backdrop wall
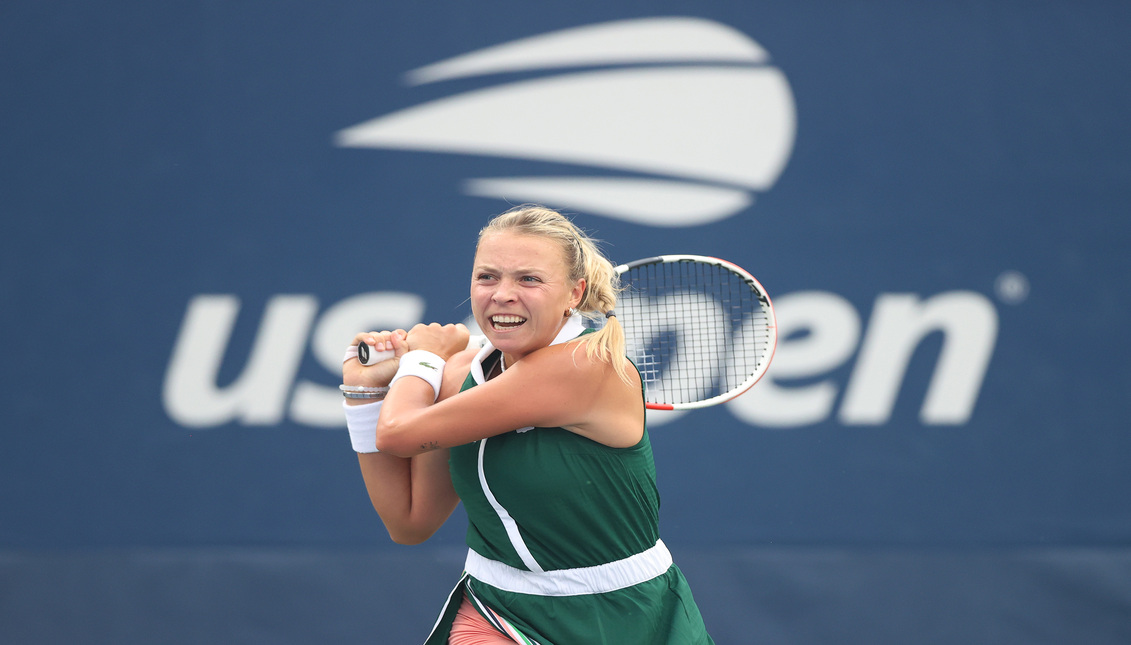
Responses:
[203,201]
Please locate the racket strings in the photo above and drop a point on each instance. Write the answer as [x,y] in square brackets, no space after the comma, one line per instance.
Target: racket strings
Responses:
[695,330]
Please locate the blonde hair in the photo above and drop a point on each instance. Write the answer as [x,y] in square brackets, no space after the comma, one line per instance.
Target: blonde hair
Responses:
[584,261]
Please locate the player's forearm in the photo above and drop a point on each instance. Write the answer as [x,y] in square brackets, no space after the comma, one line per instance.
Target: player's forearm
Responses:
[413,497]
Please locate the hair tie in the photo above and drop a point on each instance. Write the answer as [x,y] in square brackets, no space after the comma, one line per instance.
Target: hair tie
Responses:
[610,314]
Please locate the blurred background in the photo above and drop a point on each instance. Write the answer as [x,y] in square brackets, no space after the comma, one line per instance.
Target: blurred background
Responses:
[203,201]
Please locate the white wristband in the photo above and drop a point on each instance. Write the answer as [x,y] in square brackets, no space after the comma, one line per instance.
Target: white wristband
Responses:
[422,364]
[362,423]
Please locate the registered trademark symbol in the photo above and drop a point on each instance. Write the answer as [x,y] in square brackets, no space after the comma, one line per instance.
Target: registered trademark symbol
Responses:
[1012,287]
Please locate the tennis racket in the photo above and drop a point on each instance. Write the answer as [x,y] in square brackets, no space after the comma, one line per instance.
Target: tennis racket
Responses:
[701,330]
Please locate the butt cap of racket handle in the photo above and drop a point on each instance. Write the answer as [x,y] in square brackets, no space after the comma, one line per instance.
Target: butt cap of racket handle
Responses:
[367,356]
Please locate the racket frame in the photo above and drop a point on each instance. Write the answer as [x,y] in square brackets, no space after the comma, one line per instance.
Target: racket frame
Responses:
[771,328]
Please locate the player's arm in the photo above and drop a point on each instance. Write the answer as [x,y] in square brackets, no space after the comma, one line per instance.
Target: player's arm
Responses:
[413,496]
[556,386]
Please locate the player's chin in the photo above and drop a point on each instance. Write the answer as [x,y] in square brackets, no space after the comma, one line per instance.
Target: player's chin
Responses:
[506,338]
[513,341]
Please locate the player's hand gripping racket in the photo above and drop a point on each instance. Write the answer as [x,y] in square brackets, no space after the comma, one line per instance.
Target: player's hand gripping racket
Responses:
[700,330]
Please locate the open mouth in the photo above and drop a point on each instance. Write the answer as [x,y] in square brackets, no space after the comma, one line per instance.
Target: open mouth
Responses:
[502,322]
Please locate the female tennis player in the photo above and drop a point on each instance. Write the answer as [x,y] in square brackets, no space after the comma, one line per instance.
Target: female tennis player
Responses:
[541,435]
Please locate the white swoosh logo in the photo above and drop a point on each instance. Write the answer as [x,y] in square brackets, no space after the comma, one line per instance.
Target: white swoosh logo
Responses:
[704,136]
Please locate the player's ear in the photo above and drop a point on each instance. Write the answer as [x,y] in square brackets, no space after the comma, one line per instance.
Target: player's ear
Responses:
[577,293]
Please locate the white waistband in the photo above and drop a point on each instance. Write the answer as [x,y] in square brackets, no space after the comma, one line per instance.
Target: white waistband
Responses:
[572,582]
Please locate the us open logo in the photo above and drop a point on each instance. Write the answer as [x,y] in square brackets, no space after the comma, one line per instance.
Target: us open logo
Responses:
[687,112]
[682,121]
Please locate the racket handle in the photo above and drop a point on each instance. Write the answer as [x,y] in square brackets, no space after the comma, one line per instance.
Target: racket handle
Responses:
[367,356]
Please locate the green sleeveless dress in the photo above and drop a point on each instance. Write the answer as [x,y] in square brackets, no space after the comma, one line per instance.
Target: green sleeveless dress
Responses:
[563,537]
